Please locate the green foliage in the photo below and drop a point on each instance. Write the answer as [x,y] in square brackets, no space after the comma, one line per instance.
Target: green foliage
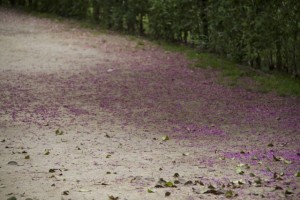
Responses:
[280,83]
[261,34]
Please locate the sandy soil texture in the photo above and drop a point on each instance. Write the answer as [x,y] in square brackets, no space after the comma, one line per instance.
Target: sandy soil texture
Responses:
[85,115]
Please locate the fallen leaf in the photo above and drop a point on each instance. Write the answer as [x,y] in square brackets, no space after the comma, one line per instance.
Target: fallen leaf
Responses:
[188,183]
[213,191]
[167,194]
[53,170]
[258,182]
[270,145]
[47,152]
[169,184]
[158,186]
[287,162]
[278,176]
[84,190]
[12,198]
[230,194]
[112,197]
[161,181]
[278,188]
[59,132]
[288,192]
[27,157]
[150,191]
[242,165]
[211,187]
[199,182]
[66,192]
[165,138]
[239,171]
[252,175]
[12,163]
[78,148]
[277,158]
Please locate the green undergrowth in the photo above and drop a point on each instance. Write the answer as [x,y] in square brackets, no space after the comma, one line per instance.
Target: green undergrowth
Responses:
[232,73]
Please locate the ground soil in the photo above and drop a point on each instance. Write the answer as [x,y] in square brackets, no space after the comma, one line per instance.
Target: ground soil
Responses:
[84,115]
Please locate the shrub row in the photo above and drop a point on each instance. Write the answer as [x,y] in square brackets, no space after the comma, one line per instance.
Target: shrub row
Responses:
[260,33]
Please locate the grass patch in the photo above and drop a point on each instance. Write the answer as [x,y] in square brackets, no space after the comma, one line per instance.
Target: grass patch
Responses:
[231,72]
[283,84]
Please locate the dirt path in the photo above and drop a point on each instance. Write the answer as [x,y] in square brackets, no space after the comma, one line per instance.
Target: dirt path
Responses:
[114,98]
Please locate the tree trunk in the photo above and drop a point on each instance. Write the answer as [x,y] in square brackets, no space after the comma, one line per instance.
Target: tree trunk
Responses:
[141,25]
[204,19]
[278,56]
[96,9]
[12,2]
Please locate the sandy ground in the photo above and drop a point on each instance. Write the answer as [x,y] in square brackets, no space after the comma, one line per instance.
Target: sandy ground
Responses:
[83,116]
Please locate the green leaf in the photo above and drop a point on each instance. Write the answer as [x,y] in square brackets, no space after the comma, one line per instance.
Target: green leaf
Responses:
[165,138]
[27,157]
[150,191]
[47,152]
[239,171]
[169,184]
[229,194]
[297,174]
